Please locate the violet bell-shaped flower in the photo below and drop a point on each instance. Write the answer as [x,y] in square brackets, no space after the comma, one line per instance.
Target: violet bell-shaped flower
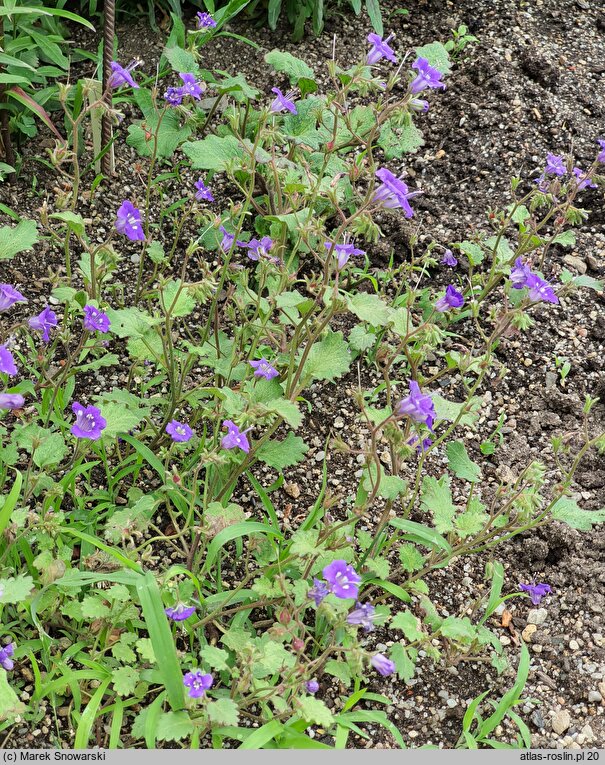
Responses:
[427,77]
[536,591]
[11,401]
[197,683]
[89,422]
[283,102]
[120,75]
[44,322]
[129,222]
[7,362]
[451,299]
[235,438]
[9,296]
[95,320]
[380,49]
[393,192]
[418,406]
[343,252]
[344,581]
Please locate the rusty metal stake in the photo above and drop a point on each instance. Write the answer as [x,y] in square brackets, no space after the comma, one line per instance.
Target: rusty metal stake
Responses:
[107,161]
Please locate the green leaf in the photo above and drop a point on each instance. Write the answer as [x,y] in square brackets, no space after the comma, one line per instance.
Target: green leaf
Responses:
[238,87]
[402,661]
[340,670]
[411,559]
[472,520]
[94,608]
[437,56]
[73,221]
[125,680]
[565,239]
[182,305]
[315,711]
[295,68]
[287,409]
[400,141]
[282,454]
[328,359]
[120,419]
[437,499]
[461,464]
[50,451]
[214,152]
[222,712]
[450,410]
[215,657]
[130,322]
[16,589]
[417,532]
[10,706]
[409,625]
[473,252]
[373,9]
[304,542]
[170,135]
[359,339]
[174,726]
[458,629]
[14,239]
[567,511]
[161,639]
[181,60]
[370,308]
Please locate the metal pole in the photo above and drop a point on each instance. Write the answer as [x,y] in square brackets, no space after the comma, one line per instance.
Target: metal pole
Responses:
[107,164]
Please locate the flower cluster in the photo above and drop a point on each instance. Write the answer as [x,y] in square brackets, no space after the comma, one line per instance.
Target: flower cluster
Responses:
[539,289]
[190,87]
[556,167]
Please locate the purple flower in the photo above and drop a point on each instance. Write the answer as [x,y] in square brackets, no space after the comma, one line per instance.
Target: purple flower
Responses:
[258,249]
[417,406]
[203,192]
[9,296]
[601,154]
[536,591]
[427,77]
[319,591]
[281,102]
[449,259]
[174,96]
[89,422]
[235,438]
[190,86]
[583,180]
[451,299]
[344,581]
[95,320]
[384,666]
[44,322]
[419,105]
[11,401]
[539,289]
[520,274]
[129,222]
[262,368]
[5,653]
[7,362]
[421,445]
[380,49]
[343,252]
[198,683]
[179,431]
[120,76]
[312,686]
[227,240]
[179,613]
[363,614]
[555,165]
[393,192]
[204,21]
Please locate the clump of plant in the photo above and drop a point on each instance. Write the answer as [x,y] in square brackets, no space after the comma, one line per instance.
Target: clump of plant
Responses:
[218,623]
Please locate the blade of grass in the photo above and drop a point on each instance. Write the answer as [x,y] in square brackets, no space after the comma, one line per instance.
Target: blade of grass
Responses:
[10,502]
[161,640]
[89,715]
